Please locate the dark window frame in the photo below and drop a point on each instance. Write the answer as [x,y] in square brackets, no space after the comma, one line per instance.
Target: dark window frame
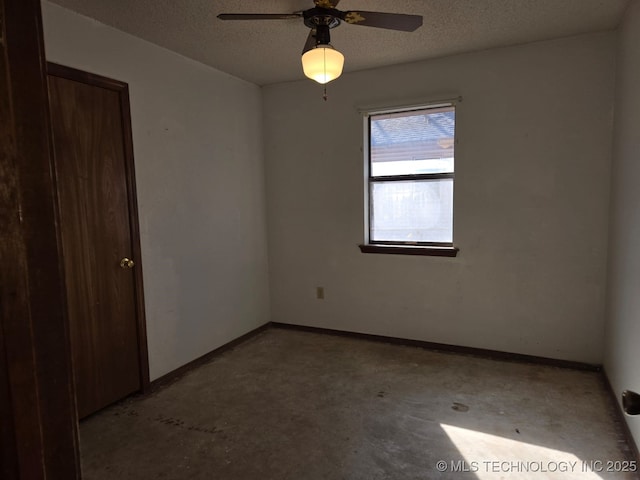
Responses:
[441,249]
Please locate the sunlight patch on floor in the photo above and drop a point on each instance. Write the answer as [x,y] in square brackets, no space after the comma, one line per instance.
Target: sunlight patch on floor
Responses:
[490,457]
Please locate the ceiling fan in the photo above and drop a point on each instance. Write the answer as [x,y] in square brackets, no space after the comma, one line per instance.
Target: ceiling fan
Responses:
[320,61]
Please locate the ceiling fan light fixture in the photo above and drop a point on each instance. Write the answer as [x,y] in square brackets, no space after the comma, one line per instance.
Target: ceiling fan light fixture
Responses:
[322,63]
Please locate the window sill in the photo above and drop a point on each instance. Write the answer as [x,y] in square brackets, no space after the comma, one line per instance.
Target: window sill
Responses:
[411,250]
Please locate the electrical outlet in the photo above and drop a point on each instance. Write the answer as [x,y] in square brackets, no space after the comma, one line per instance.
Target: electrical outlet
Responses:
[320,293]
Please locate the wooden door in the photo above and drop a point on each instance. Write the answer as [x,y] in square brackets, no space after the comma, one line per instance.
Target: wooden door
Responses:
[38,428]
[99,235]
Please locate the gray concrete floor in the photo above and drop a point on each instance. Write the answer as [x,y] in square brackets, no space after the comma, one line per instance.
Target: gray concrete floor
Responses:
[304,406]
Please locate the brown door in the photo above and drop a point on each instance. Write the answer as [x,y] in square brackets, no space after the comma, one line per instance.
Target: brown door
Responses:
[99,236]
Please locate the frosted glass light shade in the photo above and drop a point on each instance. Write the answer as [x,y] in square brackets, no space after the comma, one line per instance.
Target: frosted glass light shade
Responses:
[323,63]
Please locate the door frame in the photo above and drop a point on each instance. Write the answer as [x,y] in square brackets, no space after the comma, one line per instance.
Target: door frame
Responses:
[122,88]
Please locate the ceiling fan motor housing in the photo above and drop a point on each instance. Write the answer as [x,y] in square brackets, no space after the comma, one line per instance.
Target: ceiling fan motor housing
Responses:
[315,17]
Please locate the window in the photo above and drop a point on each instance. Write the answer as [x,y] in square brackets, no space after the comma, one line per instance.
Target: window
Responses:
[410,181]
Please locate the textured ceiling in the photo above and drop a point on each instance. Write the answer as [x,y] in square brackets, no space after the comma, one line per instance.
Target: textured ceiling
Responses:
[268,51]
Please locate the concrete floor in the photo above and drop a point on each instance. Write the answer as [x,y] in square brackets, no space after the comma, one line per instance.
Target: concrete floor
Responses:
[293,405]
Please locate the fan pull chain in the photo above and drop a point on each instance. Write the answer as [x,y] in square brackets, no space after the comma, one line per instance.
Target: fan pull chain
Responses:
[324,95]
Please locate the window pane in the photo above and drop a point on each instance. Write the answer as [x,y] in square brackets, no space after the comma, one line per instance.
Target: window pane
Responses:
[409,143]
[412,211]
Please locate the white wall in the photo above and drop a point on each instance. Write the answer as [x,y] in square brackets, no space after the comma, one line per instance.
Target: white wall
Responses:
[531,202]
[622,360]
[197,137]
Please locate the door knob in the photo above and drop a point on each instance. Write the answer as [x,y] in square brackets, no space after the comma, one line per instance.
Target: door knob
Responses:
[126,263]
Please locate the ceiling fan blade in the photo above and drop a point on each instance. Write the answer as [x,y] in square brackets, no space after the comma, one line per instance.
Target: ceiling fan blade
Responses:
[326,3]
[311,41]
[391,21]
[258,16]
